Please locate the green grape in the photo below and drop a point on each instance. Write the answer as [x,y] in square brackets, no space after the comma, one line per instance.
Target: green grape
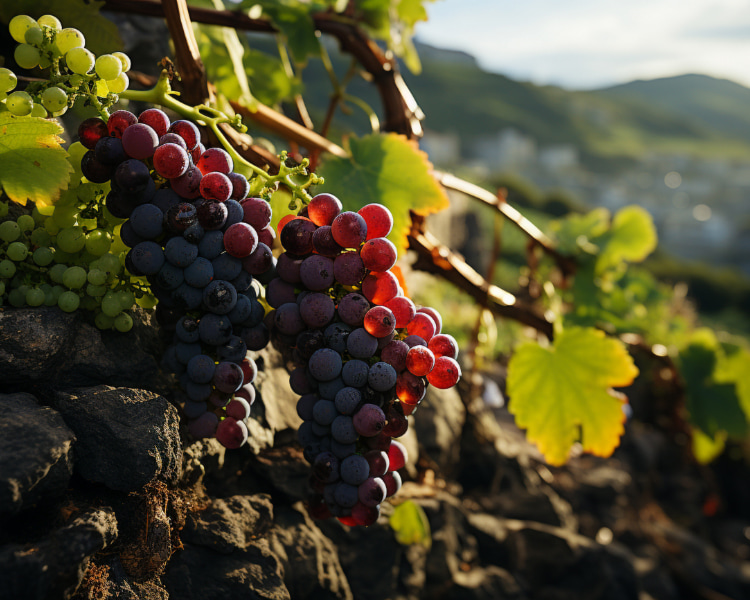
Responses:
[68,301]
[34,36]
[71,239]
[124,59]
[79,60]
[8,80]
[57,291]
[2,288]
[64,258]
[38,111]
[17,297]
[146,301]
[19,25]
[68,39]
[35,297]
[7,268]
[19,104]
[4,207]
[108,67]
[50,21]
[9,231]
[96,276]
[110,263]
[25,222]
[126,299]
[49,295]
[89,303]
[26,57]
[102,321]
[17,251]
[98,242]
[44,61]
[56,273]
[40,237]
[54,99]
[96,291]
[51,227]
[123,322]
[119,84]
[74,277]
[65,216]
[110,305]
[43,256]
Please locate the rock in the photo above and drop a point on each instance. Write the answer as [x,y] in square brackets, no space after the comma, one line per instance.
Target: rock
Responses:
[36,453]
[229,524]
[126,437]
[119,585]
[310,561]
[272,383]
[438,424]
[484,583]
[286,468]
[47,347]
[197,573]
[53,567]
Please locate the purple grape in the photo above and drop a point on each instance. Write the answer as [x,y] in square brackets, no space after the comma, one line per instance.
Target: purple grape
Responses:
[378,462]
[369,420]
[179,217]
[342,430]
[317,310]
[193,410]
[324,244]
[131,177]
[280,292]
[372,491]
[180,252]
[347,400]
[325,364]
[200,368]
[296,236]
[305,406]
[231,433]
[316,272]
[361,344]
[204,426]
[352,309]
[329,389]
[214,330]
[309,341]
[287,319]
[188,185]
[346,494]
[186,329]
[228,377]
[392,480]
[354,373]
[256,338]
[326,467]
[336,336]
[287,267]
[173,138]
[260,261]
[212,215]
[140,141]
[238,408]
[300,382]
[324,412]
[382,377]
[348,269]
[240,186]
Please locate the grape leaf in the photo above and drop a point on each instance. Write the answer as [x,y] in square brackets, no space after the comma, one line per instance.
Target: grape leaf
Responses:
[575,232]
[33,166]
[101,34]
[388,169]
[410,524]
[632,237]
[706,448]
[556,391]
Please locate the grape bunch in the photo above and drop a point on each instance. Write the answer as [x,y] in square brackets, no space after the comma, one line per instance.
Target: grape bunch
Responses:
[199,240]
[364,351]
[74,70]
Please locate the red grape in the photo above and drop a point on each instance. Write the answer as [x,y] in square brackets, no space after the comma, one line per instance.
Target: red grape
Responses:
[445,373]
[240,186]
[240,240]
[231,433]
[409,388]
[216,186]
[170,161]
[91,131]
[434,315]
[379,254]
[119,121]
[215,160]
[323,209]
[443,345]
[421,325]
[403,309]
[420,360]
[349,229]
[379,287]
[187,131]
[257,212]
[379,321]
[397,456]
[379,220]
[156,119]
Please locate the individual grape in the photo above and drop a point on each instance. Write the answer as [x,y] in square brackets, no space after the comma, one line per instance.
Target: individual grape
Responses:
[216,186]
[392,481]
[50,21]
[157,120]
[325,364]
[69,301]
[146,221]
[147,257]
[266,235]
[345,495]
[397,424]
[238,408]
[422,325]
[240,187]
[397,456]
[288,266]
[120,121]
[379,254]
[140,141]
[170,161]
[228,377]
[309,341]
[347,400]
[188,132]
[249,369]
[8,80]
[372,491]
[394,353]
[219,297]
[42,256]
[17,251]
[257,212]
[231,433]
[204,426]
[173,138]
[324,412]
[296,237]
[380,287]
[94,170]
[349,229]
[124,60]
[443,344]
[91,131]
[109,151]
[226,266]
[54,99]
[342,430]
[379,321]
[194,234]
[247,393]
[316,272]
[188,184]
[69,38]
[382,377]
[193,410]
[199,273]
[34,297]
[414,340]
[336,335]
[132,177]
[26,56]
[98,242]
[119,84]
[403,309]
[434,315]
[379,220]
[108,67]
[180,217]
[200,368]
[355,469]
[354,373]
[214,330]
[445,374]
[300,382]
[324,244]
[234,213]
[34,36]
[420,360]
[352,309]
[317,310]
[71,239]
[260,261]
[212,215]
[323,209]
[19,104]
[279,292]
[325,467]
[19,25]
[361,344]
[410,389]
[233,351]
[215,160]
[123,322]
[287,319]
[349,269]
[329,389]
[240,240]
[369,420]
[9,231]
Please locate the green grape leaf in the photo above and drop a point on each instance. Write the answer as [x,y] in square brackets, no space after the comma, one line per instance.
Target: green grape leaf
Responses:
[33,166]
[293,18]
[735,367]
[387,169]
[575,232]
[706,448]
[101,34]
[631,238]
[563,393]
[712,391]
[410,524]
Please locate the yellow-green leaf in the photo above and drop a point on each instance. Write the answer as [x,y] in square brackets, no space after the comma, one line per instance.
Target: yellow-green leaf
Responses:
[563,393]
[387,169]
[33,166]
[631,238]
[410,524]
[706,448]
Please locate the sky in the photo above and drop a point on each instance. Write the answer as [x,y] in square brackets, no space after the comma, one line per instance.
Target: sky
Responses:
[585,44]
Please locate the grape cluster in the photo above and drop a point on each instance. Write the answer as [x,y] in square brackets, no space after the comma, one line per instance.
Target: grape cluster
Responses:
[74,70]
[364,351]
[198,239]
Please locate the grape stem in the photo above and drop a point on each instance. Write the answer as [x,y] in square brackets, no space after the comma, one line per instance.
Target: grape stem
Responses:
[207,116]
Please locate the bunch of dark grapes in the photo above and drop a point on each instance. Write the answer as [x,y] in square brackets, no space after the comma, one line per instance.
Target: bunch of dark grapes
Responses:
[199,240]
[365,353]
